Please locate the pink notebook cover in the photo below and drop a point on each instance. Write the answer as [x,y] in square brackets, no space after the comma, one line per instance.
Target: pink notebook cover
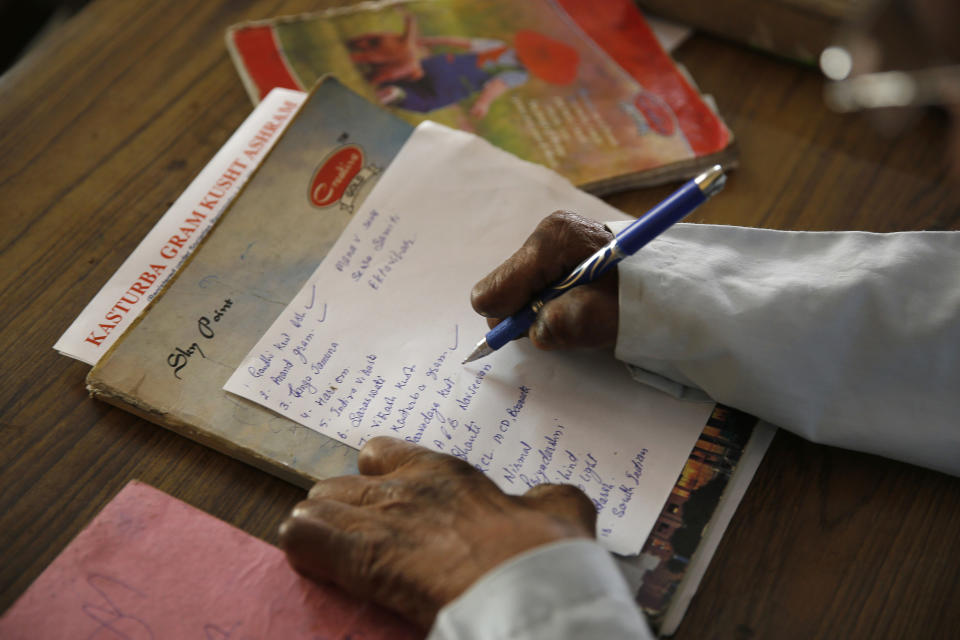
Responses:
[150,566]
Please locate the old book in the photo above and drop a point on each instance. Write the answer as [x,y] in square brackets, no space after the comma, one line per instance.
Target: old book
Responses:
[171,365]
[590,94]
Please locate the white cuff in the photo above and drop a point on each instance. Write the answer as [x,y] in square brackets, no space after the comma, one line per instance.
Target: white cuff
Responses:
[569,589]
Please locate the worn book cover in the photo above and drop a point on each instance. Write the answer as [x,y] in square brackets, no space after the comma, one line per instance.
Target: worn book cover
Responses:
[590,94]
[171,366]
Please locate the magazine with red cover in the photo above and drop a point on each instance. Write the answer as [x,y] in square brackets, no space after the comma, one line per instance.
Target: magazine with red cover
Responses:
[590,94]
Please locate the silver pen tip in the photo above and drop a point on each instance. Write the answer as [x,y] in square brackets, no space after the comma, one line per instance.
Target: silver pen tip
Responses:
[482,349]
[711,181]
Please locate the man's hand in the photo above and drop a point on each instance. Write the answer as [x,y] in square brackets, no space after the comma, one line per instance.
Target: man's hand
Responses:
[585,316]
[417,528]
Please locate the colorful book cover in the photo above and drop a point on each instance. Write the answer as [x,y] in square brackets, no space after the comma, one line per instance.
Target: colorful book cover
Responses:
[691,523]
[590,94]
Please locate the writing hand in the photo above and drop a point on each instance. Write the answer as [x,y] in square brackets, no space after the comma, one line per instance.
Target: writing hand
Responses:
[417,528]
[586,316]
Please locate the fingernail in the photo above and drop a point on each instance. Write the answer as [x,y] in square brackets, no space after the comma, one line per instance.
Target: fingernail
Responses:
[299,512]
[284,530]
[540,335]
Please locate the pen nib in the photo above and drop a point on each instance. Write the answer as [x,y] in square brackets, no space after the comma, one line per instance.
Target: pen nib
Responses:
[483,349]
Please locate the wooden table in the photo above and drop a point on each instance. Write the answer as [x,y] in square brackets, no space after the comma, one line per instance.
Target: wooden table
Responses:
[107,122]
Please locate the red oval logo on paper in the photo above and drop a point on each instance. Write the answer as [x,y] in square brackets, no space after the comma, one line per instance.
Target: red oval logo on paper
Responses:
[334,175]
[656,112]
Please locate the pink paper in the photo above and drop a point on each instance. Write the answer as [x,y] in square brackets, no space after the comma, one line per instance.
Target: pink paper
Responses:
[150,566]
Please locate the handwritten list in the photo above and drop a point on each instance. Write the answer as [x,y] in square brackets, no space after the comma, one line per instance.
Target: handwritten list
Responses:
[373,343]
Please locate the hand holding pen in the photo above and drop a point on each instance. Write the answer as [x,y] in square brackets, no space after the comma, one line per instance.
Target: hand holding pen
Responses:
[560,288]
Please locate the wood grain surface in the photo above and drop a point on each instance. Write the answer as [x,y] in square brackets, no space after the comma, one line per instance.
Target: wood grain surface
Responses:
[109,119]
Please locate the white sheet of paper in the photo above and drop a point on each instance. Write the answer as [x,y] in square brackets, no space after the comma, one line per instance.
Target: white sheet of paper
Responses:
[670,34]
[373,344]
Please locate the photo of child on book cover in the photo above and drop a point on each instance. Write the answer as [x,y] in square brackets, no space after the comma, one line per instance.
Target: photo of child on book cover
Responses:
[408,71]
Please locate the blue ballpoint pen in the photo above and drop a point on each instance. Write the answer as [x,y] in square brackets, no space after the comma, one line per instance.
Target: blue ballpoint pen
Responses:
[684,200]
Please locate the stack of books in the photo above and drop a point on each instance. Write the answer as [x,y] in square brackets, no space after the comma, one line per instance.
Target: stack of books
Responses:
[592,97]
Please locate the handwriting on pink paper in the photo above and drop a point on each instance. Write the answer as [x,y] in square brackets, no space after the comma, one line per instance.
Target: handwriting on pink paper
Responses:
[151,567]
[108,615]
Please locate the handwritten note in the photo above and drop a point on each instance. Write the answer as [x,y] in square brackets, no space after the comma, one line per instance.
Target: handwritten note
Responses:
[373,343]
[150,566]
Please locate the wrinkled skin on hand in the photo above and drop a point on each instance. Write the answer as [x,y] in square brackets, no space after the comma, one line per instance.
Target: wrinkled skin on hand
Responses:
[584,317]
[417,528]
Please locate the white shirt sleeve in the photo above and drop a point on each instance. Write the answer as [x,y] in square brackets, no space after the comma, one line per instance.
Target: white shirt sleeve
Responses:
[561,591]
[849,339]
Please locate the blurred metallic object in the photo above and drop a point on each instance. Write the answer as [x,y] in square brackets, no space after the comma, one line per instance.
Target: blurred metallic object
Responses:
[900,54]
[927,87]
